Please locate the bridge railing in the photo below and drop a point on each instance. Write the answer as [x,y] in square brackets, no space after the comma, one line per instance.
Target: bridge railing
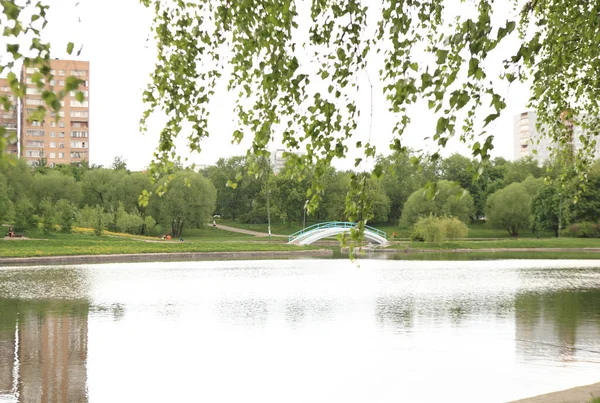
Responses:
[333,224]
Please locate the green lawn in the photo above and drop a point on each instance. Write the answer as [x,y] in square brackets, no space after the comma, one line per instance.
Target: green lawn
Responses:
[57,244]
[507,243]
[442,255]
[276,227]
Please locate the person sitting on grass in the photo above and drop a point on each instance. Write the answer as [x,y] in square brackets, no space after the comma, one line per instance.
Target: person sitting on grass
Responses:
[11,232]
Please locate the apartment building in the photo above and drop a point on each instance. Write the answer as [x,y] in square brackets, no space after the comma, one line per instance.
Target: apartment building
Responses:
[8,119]
[527,139]
[278,160]
[59,140]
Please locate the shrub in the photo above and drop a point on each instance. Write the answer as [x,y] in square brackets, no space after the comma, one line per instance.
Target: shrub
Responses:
[149,224]
[100,220]
[428,229]
[584,230]
[455,228]
[449,200]
[437,229]
[24,215]
[65,212]
[47,215]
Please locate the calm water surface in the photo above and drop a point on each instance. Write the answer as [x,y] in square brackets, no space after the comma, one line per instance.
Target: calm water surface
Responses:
[298,331]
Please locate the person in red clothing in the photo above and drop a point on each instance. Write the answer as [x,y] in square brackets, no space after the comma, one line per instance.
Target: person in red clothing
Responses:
[168,237]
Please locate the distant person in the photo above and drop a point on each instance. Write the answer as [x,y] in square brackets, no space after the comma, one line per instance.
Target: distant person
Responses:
[394,235]
[11,232]
[168,237]
[180,239]
[214,223]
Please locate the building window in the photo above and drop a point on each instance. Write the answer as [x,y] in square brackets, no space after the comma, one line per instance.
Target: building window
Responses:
[36,123]
[79,73]
[61,72]
[79,125]
[52,144]
[78,104]
[61,134]
[52,82]
[61,83]
[34,101]
[61,155]
[79,114]
[61,145]
[32,153]
[79,134]
[31,70]
[52,155]
[32,91]
[74,93]
[61,124]
[35,144]
[35,133]
[78,144]
[52,134]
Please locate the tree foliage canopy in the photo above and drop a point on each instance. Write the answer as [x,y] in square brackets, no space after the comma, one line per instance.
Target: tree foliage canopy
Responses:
[509,208]
[295,66]
[448,199]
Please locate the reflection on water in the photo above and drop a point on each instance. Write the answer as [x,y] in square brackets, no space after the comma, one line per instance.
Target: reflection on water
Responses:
[43,350]
[298,331]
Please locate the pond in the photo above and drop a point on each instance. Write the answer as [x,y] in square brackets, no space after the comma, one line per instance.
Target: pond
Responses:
[298,331]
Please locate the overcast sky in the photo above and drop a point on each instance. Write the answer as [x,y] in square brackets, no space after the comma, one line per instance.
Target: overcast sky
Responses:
[114,35]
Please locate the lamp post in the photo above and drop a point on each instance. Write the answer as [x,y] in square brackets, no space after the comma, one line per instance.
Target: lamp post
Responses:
[305,206]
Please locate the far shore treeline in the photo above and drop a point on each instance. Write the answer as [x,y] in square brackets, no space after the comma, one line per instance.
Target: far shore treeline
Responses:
[511,195]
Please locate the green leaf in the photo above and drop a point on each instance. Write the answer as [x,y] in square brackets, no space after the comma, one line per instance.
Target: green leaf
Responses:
[70,47]
[441,56]
[442,125]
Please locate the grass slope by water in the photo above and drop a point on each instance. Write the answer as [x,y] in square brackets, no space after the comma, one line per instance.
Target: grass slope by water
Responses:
[462,256]
[521,243]
[476,230]
[57,244]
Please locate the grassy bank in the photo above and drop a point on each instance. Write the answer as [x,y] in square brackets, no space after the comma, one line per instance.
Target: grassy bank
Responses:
[56,244]
[476,230]
[460,256]
[520,243]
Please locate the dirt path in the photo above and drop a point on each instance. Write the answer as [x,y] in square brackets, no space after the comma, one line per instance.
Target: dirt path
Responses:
[248,232]
[582,394]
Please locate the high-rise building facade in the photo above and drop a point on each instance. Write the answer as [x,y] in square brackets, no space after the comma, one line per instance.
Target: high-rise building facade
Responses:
[527,139]
[57,140]
[8,119]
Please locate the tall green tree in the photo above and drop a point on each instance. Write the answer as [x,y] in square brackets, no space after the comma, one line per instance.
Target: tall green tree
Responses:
[55,186]
[510,209]
[587,207]
[402,177]
[189,202]
[519,170]
[457,168]
[545,208]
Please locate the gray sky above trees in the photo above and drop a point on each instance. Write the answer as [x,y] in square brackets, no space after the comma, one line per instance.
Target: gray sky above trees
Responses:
[116,39]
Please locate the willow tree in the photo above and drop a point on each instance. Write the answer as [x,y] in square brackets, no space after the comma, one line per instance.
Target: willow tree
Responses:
[294,68]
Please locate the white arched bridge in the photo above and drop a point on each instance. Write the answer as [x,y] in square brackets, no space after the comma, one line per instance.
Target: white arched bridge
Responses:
[328,229]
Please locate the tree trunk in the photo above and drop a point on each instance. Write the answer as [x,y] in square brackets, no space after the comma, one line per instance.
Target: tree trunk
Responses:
[180,229]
